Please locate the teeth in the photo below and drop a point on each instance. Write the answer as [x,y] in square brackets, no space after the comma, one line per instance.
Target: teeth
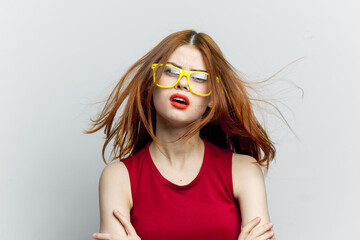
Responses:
[179,99]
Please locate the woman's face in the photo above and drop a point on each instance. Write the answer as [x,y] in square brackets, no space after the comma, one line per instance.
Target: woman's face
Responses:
[169,102]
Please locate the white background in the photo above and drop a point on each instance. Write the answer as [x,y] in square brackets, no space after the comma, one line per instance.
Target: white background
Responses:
[58,57]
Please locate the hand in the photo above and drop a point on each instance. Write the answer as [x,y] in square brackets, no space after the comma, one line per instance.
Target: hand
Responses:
[130,230]
[261,233]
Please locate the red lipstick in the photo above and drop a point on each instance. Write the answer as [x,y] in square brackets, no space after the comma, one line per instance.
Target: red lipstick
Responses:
[179,101]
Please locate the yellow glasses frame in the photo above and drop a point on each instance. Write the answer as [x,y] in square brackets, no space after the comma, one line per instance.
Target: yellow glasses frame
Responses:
[182,73]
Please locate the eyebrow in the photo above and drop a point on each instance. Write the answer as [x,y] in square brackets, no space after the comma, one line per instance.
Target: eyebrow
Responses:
[197,70]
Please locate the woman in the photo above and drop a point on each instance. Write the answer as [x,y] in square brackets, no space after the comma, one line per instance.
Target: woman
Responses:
[190,149]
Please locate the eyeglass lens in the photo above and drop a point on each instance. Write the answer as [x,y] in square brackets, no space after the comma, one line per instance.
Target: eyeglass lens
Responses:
[198,80]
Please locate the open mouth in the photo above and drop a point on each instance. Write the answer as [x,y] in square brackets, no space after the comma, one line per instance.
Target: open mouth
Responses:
[179,101]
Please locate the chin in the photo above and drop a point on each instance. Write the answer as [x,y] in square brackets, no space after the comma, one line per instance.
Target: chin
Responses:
[174,120]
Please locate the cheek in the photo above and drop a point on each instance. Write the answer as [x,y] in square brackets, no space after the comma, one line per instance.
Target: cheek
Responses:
[200,106]
[158,99]
[203,102]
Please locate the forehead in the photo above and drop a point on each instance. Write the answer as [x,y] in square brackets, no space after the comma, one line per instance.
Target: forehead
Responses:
[188,57]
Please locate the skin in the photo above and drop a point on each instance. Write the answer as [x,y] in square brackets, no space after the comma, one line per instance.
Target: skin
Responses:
[181,165]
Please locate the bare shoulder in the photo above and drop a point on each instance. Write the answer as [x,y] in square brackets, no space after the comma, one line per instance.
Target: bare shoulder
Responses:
[249,189]
[245,167]
[114,192]
[115,177]
[115,171]
[245,172]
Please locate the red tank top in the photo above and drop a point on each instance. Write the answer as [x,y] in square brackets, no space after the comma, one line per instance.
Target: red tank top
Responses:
[203,209]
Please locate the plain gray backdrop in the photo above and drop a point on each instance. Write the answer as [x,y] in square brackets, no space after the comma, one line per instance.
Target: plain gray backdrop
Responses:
[58,57]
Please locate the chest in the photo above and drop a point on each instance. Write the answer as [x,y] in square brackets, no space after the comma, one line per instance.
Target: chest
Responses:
[181,178]
[204,211]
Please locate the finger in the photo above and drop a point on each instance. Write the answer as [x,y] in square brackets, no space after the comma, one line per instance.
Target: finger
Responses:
[246,229]
[130,230]
[261,230]
[250,225]
[102,236]
[266,236]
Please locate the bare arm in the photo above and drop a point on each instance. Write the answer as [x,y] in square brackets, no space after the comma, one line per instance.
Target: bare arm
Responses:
[114,193]
[249,189]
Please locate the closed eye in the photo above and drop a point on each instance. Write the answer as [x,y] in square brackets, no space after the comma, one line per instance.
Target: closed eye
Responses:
[199,77]
[172,72]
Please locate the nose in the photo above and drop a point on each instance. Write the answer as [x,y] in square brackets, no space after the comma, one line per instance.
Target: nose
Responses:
[182,84]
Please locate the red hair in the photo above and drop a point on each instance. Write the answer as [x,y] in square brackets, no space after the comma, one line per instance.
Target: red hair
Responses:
[230,123]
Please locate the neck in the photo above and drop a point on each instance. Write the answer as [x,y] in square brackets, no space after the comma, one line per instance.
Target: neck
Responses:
[174,152]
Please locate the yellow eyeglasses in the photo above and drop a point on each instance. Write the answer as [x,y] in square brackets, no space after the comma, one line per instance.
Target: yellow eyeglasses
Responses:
[198,81]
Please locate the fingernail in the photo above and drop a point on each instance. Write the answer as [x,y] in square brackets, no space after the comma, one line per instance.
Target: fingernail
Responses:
[116,211]
[95,234]
[270,224]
